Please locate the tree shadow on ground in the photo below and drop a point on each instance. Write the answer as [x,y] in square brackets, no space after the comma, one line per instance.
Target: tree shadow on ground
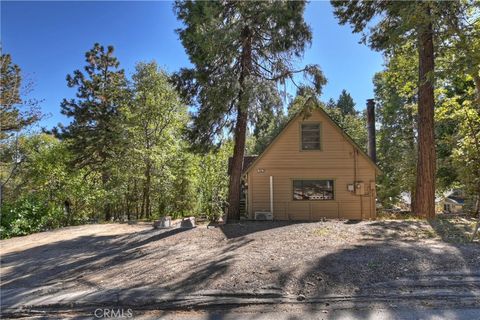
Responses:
[70,265]
[403,230]
[389,273]
[388,270]
[61,262]
[446,229]
[244,228]
[453,228]
[351,221]
[378,266]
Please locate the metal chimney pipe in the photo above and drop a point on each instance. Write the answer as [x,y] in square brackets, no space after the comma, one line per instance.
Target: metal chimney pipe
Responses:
[372,149]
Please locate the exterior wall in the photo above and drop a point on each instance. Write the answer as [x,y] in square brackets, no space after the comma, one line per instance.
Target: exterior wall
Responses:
[337,160]
[454,208]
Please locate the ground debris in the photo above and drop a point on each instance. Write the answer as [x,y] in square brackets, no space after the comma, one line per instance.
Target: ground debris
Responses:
[248,257]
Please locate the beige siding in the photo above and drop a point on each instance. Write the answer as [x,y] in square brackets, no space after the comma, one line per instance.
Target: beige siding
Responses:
[336,161]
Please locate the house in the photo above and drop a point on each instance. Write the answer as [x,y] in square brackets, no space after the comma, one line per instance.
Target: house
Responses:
[453,202]
[311,170]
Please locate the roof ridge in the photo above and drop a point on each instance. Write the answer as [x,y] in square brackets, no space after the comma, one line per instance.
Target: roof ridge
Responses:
[321,110]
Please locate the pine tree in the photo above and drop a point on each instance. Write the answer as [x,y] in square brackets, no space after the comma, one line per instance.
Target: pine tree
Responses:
[240,51]
[12,117]
[345,103]
[95,134]
[397,23]
[16,113]
[330,104]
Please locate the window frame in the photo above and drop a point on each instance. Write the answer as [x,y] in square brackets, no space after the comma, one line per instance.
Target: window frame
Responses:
[320,134]
[334,189]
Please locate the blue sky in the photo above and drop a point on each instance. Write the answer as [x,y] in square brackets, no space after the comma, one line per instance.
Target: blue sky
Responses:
[48,41]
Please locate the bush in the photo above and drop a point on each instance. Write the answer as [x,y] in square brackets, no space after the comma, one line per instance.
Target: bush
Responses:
[29,215]
[213,208]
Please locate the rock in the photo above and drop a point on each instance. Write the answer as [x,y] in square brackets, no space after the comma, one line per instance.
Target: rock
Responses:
[164,222]
[301,297]
[188,222]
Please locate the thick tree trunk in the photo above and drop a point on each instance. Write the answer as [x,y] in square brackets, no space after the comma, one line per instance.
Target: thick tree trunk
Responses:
[240,130]
[237,164]
[413,201]
[412,164]
[477,214]
[425,186]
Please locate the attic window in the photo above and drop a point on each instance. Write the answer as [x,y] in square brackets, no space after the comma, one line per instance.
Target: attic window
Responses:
[310,136]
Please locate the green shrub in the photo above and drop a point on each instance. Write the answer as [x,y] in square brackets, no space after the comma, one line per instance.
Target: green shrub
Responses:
[29,215]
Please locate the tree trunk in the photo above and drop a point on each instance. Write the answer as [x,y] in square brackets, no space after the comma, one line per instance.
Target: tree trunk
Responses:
[413,201]
[142,206]
[425,186]
[127,208]
[412,163]
[477,214]
[106,207]
[127,201]
[240,129]
[146,188]
[237,164]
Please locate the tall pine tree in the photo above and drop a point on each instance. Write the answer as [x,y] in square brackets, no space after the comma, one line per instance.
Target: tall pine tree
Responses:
[95,134]
[398,22]
[240,52]
[345,103]
[16,112]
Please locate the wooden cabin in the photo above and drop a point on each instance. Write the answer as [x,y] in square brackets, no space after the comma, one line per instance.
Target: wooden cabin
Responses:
[453,202]
[311,170]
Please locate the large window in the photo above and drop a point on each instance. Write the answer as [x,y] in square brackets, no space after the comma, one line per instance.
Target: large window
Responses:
[313,190]
[310,136]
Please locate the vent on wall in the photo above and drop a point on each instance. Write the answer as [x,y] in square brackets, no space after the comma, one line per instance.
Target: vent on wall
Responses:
[263,215]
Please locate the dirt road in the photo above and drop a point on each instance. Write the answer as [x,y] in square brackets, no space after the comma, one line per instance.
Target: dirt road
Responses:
[301,261]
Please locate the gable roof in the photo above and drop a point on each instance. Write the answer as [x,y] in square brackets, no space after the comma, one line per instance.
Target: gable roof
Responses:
[455,200]
[247,162]
[331,121]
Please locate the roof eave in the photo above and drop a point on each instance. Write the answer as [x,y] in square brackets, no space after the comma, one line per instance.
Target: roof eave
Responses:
[344,134]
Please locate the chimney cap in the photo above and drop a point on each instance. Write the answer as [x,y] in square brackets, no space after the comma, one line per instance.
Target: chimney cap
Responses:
[370,102]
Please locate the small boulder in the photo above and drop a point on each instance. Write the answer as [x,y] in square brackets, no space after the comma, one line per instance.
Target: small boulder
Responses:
[164,222]
[188,223]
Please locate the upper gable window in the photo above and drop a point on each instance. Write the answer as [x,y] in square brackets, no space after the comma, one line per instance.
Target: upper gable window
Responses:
[310,136]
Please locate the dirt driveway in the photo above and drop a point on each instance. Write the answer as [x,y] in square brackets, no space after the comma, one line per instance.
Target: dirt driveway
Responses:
[307,260]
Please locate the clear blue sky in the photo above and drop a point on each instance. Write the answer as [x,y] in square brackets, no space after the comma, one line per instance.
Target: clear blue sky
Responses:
[48,41]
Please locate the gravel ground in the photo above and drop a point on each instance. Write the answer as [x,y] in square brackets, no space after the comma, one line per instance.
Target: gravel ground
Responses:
[308,259]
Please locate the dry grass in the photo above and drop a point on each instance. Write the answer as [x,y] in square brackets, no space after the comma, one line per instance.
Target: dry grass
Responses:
[322,232]
[449,228]
[455,229]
